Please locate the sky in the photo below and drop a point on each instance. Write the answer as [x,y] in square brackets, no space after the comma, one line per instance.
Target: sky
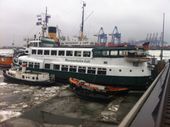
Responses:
[134,18]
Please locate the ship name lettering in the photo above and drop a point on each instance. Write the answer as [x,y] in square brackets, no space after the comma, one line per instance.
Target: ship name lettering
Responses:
[81,61]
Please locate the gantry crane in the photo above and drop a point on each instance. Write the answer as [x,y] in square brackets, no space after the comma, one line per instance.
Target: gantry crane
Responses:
[101,36]
[115,36]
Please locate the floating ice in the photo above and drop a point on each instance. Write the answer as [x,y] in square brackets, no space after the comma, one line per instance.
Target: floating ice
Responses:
[5,115]
[3,84]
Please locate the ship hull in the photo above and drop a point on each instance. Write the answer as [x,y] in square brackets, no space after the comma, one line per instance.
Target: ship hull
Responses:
[132,82]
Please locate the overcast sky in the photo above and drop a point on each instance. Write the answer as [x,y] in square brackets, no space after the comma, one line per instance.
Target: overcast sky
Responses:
[134,18]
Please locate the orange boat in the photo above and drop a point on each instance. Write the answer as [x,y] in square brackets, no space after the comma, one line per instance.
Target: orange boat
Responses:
[89,90]
[6,61]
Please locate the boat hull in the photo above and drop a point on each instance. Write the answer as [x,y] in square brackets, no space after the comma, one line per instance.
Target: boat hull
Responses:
[93,96]
[136,83]
[20,81]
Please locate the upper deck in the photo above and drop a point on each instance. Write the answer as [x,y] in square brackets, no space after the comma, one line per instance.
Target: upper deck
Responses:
[106,52]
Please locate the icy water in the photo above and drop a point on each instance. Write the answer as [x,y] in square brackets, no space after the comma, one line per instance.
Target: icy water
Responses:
[57,105]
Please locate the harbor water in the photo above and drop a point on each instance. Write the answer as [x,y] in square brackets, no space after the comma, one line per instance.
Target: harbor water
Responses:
[57,105]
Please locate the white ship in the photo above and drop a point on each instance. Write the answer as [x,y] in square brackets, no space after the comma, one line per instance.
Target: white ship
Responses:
[124,66]
[117,66]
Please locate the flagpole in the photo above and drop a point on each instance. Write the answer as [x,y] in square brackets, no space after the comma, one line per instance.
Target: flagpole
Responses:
[162,40]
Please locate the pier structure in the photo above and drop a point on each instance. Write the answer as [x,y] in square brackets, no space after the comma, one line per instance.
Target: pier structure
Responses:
[153,108]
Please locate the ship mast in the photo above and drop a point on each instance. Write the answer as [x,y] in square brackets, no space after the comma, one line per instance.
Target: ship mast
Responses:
[82,23]
[43,21]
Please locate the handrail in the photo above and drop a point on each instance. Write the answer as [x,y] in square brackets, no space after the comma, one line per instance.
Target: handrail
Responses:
[162,102]
[133,112]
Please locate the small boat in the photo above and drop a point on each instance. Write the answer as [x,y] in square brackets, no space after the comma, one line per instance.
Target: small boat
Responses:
[23,76]
[5,61]
[94,91]
[6,58]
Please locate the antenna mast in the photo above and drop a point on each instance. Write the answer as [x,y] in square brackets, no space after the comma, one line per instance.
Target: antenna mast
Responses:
[43,21]
[162,40]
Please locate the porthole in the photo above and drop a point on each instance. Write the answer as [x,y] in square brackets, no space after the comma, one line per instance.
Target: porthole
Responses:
[130,70]
[120,70]
[110,69]
[142,70]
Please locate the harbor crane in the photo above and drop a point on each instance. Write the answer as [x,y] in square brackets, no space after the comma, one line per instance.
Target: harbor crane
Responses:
[154,39]
[101,36]
[115,36]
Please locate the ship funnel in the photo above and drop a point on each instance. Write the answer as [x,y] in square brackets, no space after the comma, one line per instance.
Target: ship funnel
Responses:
[52,33]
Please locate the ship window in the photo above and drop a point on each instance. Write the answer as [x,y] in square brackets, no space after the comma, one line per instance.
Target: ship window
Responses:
[97,53]
[82,69]
[34,51]
[123,53]
[69,53]
[91,70]
[77,53]
[120,70]
[73,69]
[105,53]
[120,53]
[53,52]
[30,64]
[37,65]
[37,78]
[33,78]
[40,52]
[46,52]
[130,70]
[142,70]
[20,62]
[135,64]
[64,68]
[24,62]
[47,66]
[61,53]
[23,76]
[56,67]
[86,54]
[101,71]
[113,53]
[26,52]
[105,62]
[131,54]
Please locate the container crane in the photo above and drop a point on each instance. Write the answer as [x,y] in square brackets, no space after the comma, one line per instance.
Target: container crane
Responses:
[101,36]
[115,36]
